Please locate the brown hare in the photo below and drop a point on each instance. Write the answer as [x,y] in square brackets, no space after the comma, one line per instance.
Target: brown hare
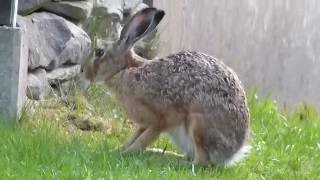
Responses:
[193,97]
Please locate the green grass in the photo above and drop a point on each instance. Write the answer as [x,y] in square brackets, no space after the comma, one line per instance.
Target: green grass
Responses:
[46,144]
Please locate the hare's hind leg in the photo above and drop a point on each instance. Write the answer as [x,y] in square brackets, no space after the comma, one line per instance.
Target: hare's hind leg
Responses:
[181,139]
[215,137]
[148,136]
[196,130]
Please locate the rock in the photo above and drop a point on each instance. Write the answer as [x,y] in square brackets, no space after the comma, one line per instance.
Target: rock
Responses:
[64,80]
[42,83]
[115,8]
[62,74]
[77,10]
[26,7]
[139,7]
[108,8]
[54,41]
[37,85]
[129,5]
[148,2]
[104,25]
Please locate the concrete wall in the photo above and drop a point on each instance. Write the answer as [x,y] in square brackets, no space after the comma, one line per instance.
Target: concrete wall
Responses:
[13,72]
[274,44]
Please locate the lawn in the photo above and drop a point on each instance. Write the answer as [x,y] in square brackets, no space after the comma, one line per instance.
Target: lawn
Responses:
[76,137]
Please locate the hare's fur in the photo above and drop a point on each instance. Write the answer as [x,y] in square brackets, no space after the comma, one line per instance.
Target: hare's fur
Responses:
[193,97]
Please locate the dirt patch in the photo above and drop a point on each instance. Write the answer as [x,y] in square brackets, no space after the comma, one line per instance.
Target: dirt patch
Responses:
[87,123]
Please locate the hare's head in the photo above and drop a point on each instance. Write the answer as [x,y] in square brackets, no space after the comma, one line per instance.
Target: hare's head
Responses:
[105,62]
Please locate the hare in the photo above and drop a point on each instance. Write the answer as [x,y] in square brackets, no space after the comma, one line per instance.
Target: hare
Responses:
[193,97]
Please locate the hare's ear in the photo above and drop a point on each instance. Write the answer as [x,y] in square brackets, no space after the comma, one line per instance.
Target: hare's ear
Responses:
[143,22]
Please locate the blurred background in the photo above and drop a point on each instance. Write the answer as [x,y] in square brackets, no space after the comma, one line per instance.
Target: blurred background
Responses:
[272,45]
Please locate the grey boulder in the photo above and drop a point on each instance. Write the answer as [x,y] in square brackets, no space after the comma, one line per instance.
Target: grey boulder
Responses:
[138,8]
[41,83]
[61,74]
[107,17]
[28,6]
[54,41]
[114,8]
[108,8]
[130,5]
[37,84]
[78,10]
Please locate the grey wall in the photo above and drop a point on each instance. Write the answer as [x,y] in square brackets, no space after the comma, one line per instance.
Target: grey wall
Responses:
[13,72]
[274,44]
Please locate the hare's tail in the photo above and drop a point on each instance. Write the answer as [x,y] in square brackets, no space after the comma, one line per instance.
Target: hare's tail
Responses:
[238,156]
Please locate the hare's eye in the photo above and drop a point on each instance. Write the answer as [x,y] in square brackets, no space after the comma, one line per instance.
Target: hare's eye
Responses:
[99,52]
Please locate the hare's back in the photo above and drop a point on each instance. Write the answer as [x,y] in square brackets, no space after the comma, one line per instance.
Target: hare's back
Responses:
[190,77]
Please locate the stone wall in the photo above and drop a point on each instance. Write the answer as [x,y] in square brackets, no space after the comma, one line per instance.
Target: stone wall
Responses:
[270,44]
[61,35]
